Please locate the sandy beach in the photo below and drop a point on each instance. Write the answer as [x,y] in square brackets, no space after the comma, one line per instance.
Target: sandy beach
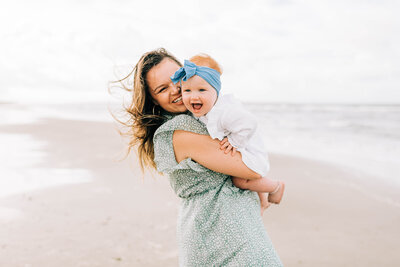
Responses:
[322,78]
[120,218]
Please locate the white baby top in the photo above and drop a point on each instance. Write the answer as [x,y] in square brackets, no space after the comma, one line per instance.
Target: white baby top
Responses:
[228,118]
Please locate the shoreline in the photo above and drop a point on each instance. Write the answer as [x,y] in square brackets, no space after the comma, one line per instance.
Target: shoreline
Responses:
[120,219]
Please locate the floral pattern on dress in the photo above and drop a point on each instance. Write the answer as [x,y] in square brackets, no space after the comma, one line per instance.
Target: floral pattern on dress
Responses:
[218,223]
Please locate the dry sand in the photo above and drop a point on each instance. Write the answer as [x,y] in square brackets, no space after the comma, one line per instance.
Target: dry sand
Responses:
[325,219]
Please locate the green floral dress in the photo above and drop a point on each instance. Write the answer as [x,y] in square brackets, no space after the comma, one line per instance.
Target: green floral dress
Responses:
[218,224]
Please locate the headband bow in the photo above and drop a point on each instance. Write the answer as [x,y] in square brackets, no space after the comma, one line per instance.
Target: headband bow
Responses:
[190,69]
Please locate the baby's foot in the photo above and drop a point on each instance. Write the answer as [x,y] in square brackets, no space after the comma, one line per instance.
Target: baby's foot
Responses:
[276,196]
[264,205]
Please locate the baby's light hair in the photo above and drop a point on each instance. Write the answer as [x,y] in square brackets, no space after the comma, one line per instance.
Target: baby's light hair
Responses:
[206,61]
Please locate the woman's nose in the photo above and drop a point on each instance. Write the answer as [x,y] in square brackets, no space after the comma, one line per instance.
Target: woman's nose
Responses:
[176,89]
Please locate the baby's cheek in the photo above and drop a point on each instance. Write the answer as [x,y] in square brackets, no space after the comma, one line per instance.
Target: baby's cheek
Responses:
[186,101]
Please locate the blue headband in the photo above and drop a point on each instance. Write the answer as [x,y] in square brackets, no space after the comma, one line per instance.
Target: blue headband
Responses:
[190,69]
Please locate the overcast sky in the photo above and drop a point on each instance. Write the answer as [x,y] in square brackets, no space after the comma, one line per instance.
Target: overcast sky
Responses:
[271,51]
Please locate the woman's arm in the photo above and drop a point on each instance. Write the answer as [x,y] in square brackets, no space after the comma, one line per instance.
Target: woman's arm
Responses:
[206,151]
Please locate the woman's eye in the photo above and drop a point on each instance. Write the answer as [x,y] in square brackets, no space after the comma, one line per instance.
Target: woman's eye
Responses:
[162,89]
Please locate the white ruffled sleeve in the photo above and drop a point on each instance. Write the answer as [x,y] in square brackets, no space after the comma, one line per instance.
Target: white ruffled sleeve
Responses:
[239,123]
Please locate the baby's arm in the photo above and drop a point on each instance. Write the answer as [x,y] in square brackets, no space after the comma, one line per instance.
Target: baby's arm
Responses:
[225,145]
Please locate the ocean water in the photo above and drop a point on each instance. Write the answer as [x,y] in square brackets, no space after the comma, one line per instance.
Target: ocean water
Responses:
[364,139]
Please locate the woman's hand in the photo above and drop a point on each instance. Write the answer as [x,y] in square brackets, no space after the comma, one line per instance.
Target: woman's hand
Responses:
[225,145]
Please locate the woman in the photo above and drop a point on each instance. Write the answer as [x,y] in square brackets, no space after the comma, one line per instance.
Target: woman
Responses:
[218,224]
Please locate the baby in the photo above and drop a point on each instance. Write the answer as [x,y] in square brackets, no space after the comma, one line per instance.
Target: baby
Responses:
[227,120]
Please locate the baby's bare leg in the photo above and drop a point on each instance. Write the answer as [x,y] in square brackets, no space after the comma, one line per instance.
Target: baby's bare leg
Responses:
[243,184]
[263,185]
[264,203]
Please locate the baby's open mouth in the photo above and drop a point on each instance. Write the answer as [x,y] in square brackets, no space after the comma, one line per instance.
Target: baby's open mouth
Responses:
[197,106]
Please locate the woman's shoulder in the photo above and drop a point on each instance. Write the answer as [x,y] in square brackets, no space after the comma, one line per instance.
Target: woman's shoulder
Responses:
[164,155]
[177,122]
[183,122]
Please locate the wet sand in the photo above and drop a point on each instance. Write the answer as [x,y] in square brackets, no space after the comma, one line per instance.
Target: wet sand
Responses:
[327,218]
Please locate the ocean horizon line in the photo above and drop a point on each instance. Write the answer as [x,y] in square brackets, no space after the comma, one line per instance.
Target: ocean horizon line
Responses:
[320,103]
[372,104]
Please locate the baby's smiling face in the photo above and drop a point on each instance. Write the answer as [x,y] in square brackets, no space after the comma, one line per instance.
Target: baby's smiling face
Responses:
[198,96]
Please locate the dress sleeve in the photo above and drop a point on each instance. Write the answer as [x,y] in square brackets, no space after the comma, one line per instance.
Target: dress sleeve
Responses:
[164,154]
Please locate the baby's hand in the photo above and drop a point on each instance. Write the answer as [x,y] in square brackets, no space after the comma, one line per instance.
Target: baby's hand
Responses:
[225,145]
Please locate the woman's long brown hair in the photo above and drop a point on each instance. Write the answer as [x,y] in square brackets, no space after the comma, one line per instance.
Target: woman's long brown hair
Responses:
[143,116]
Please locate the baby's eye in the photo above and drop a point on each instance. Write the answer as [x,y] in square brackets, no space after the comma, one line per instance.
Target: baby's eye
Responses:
[202,90]
[186,90]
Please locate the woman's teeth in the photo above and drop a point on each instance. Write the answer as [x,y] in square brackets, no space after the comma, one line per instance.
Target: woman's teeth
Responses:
[177,100]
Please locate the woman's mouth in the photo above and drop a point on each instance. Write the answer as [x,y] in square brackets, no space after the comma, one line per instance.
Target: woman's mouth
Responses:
[177,100]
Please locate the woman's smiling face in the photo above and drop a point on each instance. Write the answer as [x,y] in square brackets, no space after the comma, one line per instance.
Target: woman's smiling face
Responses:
[163,91]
